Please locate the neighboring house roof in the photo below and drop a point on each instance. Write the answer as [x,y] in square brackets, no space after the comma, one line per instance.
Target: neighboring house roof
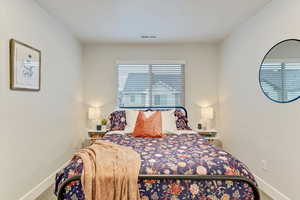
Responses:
[133,80]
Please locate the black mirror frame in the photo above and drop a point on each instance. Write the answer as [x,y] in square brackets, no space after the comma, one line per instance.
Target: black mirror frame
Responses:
[259,77]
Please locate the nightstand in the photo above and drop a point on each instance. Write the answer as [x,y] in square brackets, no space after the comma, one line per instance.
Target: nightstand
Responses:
[96,135]
[211,137]
[93,134]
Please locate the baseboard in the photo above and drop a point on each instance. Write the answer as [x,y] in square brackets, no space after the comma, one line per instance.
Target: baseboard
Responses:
[270,190]
[43,186]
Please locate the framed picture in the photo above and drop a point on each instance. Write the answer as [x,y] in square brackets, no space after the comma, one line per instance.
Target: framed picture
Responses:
[25,67]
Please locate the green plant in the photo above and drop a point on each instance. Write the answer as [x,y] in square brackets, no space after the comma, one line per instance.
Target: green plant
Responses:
[104,122]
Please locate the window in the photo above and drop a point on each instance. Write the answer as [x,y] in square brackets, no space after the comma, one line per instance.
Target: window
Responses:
[156,100]
[132,99]
[150,85]
[281,81]
[161,100]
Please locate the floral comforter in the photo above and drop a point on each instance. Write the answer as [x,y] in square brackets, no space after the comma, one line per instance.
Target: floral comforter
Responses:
[187,154]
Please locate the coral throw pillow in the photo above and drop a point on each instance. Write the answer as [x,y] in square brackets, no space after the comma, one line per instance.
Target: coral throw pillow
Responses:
[148,126]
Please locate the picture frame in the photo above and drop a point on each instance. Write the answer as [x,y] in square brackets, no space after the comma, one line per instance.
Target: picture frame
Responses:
[25,67]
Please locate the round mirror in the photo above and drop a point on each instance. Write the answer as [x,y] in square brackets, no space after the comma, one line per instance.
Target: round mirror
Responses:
[279,74]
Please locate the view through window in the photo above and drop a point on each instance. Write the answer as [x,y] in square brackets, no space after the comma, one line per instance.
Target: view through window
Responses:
[150,85]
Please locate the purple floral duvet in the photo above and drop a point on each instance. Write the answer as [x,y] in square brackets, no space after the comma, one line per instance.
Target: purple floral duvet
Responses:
[188,154]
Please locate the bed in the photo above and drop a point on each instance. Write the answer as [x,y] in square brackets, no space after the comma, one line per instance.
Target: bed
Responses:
[177,166]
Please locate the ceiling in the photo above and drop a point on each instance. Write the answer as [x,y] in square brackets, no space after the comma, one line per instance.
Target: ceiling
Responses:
[172,21]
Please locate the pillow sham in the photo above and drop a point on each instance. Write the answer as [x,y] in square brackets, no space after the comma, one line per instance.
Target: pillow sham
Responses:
[118,132]
[131,116]
[148,126]
[181,120]
[184,132]
[117,120]
[168,121]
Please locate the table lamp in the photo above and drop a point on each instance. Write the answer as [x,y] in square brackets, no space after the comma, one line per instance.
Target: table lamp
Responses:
[207,114]
[94,115]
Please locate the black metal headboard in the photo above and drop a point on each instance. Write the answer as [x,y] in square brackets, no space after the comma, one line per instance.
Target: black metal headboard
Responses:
[158,108]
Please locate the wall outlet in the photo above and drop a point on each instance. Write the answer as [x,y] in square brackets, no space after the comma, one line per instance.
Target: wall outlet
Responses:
[264,165]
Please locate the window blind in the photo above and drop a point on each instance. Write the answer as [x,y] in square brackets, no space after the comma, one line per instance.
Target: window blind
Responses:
[151,85]
[281,81]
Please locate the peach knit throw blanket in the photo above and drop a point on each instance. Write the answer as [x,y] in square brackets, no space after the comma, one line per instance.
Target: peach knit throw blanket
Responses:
[110,172]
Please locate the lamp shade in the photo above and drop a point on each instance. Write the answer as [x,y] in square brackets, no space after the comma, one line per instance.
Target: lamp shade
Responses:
[94,113]
[207,113]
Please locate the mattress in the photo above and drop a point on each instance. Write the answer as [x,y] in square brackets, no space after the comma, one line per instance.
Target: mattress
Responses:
[178,154]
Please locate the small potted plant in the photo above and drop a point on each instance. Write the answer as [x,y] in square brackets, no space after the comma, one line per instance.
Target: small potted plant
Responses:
[103,124]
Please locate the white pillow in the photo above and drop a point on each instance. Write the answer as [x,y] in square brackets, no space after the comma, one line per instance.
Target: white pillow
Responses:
[182,132]
[117,132]
[148,114]
[131,116]
[168,121]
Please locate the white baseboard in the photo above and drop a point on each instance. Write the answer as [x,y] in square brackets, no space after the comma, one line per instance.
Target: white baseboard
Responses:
[270,190]
[43,186]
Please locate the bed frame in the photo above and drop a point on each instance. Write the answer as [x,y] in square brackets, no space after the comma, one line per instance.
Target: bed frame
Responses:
[158,108]
[255,190]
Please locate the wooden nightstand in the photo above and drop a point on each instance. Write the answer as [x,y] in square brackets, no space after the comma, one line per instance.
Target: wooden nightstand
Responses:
[211,137]
[93,134]
[96,135]
[208,133]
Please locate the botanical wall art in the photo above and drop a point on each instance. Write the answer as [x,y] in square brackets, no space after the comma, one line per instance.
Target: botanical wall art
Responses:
[25,67]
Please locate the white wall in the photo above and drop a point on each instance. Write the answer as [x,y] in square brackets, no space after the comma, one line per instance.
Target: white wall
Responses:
[253,127]
[39,130]
[100,85]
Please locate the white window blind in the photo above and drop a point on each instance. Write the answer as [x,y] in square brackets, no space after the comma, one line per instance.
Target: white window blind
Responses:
[281,81]
[150,85]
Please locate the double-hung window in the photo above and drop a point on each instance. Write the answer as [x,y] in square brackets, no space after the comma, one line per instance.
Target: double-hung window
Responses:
[150,85]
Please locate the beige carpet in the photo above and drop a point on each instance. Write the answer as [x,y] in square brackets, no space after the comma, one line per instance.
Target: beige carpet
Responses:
[48,195]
